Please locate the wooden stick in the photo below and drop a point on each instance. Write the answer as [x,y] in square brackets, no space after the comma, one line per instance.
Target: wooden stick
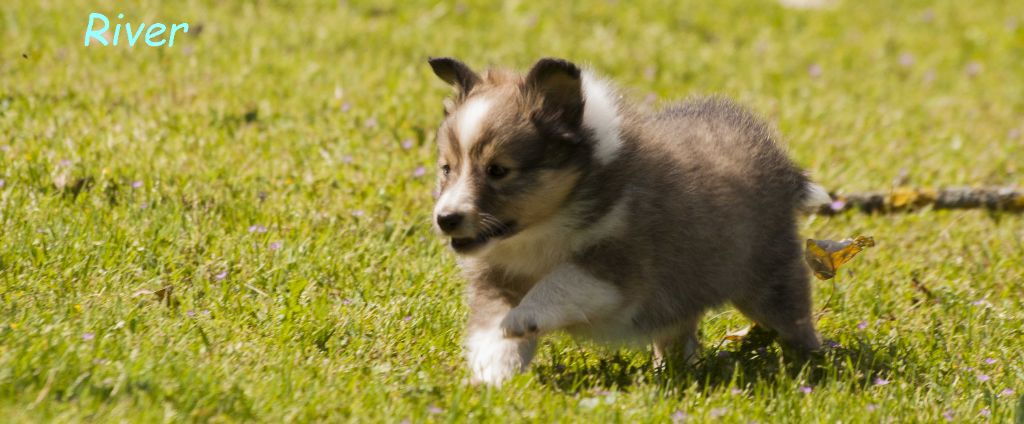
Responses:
[903,199]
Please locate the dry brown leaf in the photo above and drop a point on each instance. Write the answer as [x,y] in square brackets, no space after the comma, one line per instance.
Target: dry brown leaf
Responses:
[902,197]
[165,295]
[738,335]
[826,256]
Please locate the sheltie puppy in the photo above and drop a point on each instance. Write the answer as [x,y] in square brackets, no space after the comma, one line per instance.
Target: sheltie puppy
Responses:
[570,209]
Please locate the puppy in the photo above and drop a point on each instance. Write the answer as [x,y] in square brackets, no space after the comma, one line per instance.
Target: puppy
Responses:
[569,209]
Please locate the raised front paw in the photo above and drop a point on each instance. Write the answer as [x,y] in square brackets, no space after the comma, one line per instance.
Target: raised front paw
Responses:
[519,323]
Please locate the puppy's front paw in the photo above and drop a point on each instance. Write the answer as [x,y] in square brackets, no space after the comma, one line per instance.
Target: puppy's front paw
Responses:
[520,323]
[493,358]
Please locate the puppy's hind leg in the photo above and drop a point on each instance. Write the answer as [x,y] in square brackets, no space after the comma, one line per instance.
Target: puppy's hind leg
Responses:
[681,343]
[781,300]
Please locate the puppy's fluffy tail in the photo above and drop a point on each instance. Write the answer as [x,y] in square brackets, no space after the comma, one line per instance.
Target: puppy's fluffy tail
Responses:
[815,197]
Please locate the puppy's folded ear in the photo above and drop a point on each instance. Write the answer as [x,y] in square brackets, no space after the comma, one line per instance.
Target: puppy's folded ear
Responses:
[455,73]
[557,83]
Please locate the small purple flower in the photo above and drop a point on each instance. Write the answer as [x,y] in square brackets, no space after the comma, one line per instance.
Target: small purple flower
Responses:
[531,21]
[206,312]
[88,336]
[872,407]
[347,159]
[257,229]
[137,184]
[983,378]
[345,107]
[862,325]
[407,144]
[679,417]
[346,301]
[833,344]
[190,313]
[370,123]
[806,390]
[358,212]
[981,302]
[220,276]
[65,162]
[650,72]
[990,361]
[718,412]
[985,412]
[2,183]
[814,70]
[275,245]
[906,60]
[434,410]
[929,76]
[419,172]
[948,415]
[972,69]
[735,391]
[407,318]
[1006,392]
[879,381]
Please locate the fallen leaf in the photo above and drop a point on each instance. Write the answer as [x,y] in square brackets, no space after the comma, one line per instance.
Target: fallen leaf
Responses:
[751,337]
[738,335]
[903,197]
[165,295]
[826,256]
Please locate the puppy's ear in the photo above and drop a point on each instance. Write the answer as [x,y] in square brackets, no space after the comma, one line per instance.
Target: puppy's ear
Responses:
[455,73]
[559,86]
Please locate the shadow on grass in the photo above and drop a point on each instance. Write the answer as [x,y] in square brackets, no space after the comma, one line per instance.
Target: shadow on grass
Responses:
[745,364]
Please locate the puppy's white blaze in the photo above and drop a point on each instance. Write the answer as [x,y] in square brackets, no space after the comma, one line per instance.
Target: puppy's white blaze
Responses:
[493,358]
[457,198]
[815,196]
[470,120]
[601,115]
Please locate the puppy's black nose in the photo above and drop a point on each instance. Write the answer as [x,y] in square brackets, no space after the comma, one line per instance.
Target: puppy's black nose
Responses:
[448,222]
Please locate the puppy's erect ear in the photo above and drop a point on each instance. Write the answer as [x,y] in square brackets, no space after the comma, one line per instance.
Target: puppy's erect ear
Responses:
[455,73]
[559,86]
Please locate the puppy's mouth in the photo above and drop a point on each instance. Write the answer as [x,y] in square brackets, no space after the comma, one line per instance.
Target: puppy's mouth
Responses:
[469,244]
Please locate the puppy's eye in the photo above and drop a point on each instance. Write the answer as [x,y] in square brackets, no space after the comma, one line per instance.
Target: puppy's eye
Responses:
[497,172]
[445,169]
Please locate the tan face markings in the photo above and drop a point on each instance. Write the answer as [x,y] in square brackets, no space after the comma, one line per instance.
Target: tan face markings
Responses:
[548,197]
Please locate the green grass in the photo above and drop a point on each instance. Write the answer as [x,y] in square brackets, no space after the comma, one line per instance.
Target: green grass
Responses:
[126,170]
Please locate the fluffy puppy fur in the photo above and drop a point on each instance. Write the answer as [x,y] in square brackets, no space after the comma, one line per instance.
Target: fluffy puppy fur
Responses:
[571,210]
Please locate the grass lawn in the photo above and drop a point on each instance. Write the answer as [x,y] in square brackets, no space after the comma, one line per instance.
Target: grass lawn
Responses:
[275,167]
